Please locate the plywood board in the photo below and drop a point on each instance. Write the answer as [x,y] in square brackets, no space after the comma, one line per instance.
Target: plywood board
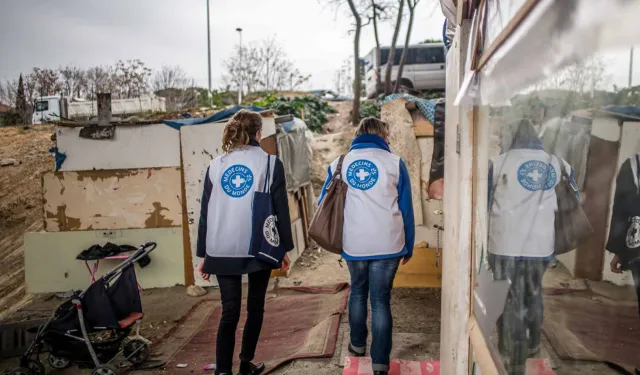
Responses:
[423,271]
[404,144]
[112,199]
[143,146]
[50,264]
[200,145]
[294,213]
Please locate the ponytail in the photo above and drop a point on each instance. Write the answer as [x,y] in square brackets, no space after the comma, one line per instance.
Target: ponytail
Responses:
[240,129]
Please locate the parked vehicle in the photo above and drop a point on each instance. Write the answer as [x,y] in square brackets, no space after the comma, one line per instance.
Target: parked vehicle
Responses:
[424,68]
[53,108]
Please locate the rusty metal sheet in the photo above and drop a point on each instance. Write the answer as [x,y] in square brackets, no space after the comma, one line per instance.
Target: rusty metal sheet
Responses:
[112,199]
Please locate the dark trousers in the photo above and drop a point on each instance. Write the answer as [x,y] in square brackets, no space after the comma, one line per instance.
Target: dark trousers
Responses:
[635,271]
[231,292]
[519,327]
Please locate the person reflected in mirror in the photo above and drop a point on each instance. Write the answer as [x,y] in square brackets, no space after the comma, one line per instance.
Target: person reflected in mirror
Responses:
[522,206]
[378,235]
[624,230]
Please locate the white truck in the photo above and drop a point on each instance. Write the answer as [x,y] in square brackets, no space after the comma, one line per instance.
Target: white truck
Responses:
[53,108]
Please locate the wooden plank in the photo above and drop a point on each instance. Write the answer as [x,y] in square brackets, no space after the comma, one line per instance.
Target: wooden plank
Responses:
[112,199]
[422,128]
[200,145]
[456,266]
[51,265]
[515,22]
[421,272]
[294,213]
[139,146]
[482,353]
[601,174]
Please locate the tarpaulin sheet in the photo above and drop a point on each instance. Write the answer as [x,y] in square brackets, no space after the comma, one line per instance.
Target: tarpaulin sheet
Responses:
[294,149]
[218,116]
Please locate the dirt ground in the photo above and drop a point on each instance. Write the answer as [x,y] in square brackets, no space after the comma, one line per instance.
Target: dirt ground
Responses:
[20,203]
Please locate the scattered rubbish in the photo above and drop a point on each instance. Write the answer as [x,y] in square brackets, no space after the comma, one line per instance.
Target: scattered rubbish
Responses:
[181,365]
[8,162]
[210,367]
[196,291]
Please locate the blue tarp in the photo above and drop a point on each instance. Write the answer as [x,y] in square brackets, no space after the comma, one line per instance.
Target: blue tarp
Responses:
[176,124]
[426,106]
[627,112]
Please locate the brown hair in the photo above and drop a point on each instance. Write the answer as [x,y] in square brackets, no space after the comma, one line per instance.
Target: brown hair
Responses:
[372,125]
[243,126]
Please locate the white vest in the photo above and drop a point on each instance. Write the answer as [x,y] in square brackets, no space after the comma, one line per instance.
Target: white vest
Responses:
[523,206]
[235,177]
[373,222]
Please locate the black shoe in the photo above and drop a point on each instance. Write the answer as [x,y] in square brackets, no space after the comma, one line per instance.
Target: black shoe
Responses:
[638,370]
[381,373]
[353,351]
[248,368]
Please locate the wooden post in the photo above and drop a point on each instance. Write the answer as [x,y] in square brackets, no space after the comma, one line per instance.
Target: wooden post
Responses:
[104,109]
[456,266]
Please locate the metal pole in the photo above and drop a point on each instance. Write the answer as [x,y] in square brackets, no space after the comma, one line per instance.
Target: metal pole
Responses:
[239,30]
[631,67]
[209,46]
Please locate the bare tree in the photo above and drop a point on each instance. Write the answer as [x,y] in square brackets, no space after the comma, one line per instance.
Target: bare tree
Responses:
[378,10]
[411,4]
[263,67]
[131,79]
[172,83]
[100,79]
[73,81]
[392,49]
[8,91]
[343,81]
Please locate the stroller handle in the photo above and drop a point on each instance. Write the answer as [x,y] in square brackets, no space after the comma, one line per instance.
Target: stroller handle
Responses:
[142,252]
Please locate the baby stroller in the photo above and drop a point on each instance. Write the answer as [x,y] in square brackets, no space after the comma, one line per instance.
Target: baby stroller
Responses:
[92,328]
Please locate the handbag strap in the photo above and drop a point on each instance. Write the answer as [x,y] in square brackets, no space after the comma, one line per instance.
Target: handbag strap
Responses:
[266,180]
[339,167]
[637,173]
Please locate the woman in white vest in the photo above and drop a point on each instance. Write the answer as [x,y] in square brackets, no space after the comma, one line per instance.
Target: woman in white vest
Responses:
[224,234]
[378,233]
[522,206]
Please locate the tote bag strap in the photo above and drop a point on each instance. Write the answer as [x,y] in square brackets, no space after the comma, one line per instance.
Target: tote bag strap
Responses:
[267,187]
[338,172]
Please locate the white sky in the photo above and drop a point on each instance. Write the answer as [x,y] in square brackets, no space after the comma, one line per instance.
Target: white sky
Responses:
[51,33]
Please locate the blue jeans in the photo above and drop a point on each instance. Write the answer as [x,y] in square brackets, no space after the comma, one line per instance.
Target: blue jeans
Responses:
[374,277]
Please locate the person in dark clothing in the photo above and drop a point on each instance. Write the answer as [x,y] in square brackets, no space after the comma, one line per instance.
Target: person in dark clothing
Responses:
[624,231]
[224,234]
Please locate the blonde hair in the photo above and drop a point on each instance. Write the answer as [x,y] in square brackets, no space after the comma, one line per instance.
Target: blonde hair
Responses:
[243,126]
[372,125]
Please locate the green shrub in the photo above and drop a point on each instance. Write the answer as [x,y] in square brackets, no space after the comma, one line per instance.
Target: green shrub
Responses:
[315,109]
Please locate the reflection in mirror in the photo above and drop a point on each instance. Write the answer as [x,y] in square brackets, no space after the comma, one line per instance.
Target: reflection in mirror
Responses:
[563,224]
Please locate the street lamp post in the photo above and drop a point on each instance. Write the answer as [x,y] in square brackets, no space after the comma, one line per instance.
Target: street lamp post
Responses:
[209,47]
[239,30]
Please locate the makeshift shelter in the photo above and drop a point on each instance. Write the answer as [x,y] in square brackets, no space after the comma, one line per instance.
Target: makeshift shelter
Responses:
[128,183]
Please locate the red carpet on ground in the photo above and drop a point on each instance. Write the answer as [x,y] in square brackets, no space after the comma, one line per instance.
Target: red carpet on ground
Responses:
[586,327]
[362,366]
[299,323]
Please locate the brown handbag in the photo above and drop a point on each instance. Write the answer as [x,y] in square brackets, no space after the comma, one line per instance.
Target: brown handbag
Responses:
[327,223]
[571,225]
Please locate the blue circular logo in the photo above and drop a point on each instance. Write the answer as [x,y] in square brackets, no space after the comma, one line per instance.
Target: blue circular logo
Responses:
[362,174]
[535,175]
[237,181]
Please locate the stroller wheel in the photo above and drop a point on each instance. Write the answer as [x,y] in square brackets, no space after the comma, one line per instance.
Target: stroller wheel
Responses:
[21,371]
[36,367]
[58,363]
[136,351]
[104,370]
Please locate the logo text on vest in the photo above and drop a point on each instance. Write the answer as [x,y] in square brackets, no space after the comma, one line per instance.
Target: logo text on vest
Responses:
[270,231]
[362,174]
[237,181]
[535,175]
